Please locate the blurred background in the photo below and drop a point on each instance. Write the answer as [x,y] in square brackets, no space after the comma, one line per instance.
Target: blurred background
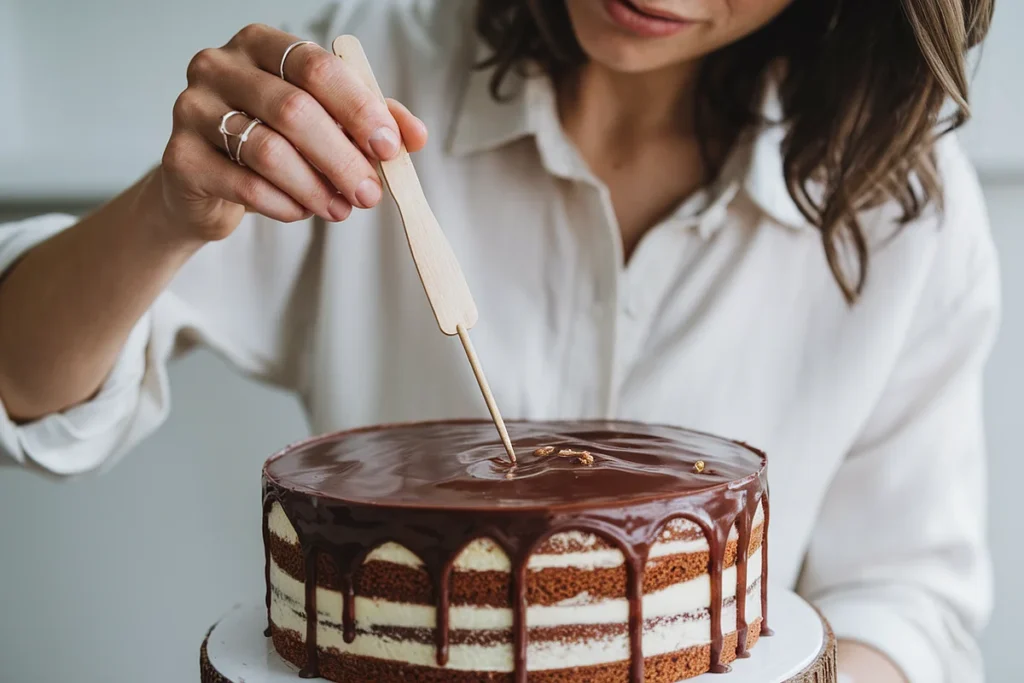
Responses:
[115,579]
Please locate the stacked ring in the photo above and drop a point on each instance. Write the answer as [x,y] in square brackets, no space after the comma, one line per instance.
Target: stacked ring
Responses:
[236,156]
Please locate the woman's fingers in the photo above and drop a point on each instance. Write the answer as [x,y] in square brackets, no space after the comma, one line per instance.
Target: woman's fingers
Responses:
[300,118]
[414,131]
[207,173]
[273,157]
[265,151]
[320,132]
[331,82]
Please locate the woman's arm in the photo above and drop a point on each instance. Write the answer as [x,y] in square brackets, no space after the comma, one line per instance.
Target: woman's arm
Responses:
[899,559]
[860,663]
[68,306]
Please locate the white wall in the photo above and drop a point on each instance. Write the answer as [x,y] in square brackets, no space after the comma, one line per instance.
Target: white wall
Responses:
[75,75]
[995,137]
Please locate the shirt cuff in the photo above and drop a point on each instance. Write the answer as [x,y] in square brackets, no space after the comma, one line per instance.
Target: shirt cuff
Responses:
[880,626]
[23,235]
[83,437]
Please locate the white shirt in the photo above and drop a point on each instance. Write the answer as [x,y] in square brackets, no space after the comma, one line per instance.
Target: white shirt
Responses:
[726,319]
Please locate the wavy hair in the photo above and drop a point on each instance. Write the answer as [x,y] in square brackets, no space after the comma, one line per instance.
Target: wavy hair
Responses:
[868,87]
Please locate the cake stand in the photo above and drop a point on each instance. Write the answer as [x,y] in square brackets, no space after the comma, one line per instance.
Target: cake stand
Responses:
[803,649]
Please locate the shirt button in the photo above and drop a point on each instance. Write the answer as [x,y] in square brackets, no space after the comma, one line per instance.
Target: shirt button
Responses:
[632,306]
[712,220]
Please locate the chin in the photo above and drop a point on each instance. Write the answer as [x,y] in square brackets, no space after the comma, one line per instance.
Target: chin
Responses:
[619,50]
[626,55]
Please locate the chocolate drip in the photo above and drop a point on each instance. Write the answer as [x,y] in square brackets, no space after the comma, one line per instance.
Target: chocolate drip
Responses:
[457,507]
[266,553]
[742,546]
[765,631]
[518,602]
[312,668]
[348,605]
[635,563]
[443,612]
[744,525]
[717,541]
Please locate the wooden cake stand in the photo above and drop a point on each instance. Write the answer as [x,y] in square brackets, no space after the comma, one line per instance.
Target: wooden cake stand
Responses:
[803,649]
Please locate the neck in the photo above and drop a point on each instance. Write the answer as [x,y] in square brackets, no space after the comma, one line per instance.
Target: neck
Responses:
[617,109]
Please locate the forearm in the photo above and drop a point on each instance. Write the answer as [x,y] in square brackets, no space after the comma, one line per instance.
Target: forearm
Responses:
[859,663]
[68,306]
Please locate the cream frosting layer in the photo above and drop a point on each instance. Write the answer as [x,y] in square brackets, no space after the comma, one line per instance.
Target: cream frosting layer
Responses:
[680,598]
[665,637]
[582,549]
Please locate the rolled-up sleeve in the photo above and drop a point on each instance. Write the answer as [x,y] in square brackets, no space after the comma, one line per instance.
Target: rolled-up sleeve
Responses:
[234,297]
[899,558]
[93,433]
[84,436]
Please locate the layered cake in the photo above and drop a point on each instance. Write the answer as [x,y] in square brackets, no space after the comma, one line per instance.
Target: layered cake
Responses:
[612,551]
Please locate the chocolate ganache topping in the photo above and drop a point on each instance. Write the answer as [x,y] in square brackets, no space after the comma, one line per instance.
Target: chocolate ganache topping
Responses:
[434,487]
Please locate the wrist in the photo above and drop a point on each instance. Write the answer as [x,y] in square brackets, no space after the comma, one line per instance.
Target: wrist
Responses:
[158,227]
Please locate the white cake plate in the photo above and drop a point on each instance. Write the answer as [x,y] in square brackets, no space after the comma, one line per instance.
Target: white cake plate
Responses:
[238,651]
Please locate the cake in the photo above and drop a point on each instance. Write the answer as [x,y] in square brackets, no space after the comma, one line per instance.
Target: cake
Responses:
[612,551]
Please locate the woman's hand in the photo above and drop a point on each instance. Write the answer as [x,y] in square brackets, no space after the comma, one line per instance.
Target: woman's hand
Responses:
[862,664]
[321,132]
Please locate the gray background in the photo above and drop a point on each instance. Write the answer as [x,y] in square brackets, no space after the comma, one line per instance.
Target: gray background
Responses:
[115,579]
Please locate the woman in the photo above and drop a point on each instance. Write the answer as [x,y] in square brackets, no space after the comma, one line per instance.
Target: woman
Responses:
[736,216]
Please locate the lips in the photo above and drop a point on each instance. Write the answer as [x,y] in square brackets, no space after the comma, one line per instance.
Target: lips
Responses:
[653,12]
[629,17]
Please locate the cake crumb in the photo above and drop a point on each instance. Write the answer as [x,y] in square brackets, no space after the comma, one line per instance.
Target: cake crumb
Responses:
[585,459]
[544,450]
[698,466]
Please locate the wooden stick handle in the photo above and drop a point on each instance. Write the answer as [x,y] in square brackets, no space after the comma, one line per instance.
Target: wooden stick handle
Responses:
[443,280]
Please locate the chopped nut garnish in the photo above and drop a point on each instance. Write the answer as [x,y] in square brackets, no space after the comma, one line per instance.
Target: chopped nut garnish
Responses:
[699,466]
[510,475]
[570,453]
[585,459]
[544,450]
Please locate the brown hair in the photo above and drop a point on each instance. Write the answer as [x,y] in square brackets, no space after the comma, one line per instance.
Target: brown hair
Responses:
[863,96]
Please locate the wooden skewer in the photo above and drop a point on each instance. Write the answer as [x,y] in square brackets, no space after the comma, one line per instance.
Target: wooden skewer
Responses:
[439,271]
[492,405]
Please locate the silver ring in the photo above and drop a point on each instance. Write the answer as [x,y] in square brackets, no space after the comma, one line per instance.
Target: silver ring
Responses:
[224,129]
[287,52]
[242,138]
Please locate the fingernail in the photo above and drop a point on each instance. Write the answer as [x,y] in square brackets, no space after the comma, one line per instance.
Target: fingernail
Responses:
[339,209]
[368,193]
[384,143]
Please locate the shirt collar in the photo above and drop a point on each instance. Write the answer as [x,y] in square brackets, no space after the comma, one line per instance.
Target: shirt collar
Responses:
[484,124]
